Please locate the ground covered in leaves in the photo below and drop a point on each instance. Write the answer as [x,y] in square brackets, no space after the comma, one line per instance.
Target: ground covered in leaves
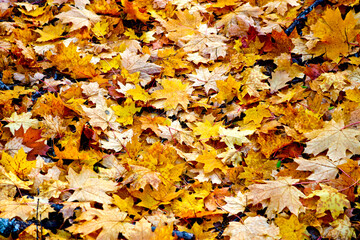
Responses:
[158,119]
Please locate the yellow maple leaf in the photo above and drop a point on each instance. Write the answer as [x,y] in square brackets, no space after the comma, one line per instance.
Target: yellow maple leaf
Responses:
[330,199]
[126,205]
[272,142]
[100,29]
[174,93]
[126,113]
[186,25]
[234,136]
[17,164]
[207,128]
[257,168]
[15,93]
[228,89]
[68,59]
[138,94]
[257,114]
[210,161]
[10,184]
[50,32]
[172,60]
[32,10]
[291,228]
[189,205]
[334,33]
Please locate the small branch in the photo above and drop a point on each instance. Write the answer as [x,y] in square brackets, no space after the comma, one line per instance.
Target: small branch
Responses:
[302,16]
[351,124]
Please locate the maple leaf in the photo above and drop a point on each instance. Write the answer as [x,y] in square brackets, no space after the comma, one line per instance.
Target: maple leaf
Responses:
[53,126]
[186,25]
[10,183]
[334,33]
[78,17]
[134,10]
[138,94]
[234,136]
[69,59]
[172,60]
[204,77]
[102,116]
[278,80]
[17,164]
[14,145]
[321,167]
[228,89]
[32,139]
[15,93]
[272,142]
[210,161]
[23,120]
[280,6]
[238,21]
[142,176]
[25,208]
[236,204]
[141,231]
[252,78]
[207,128]
[257,114]
[117,140]
[252,228]
[126,112]
[330,199]
[175,131]
[281,193]
[86,185]
[291,228]
[189,205]
[334,137]
[110,220]
[50,32]
[133,63]
[206,42]
[174,92]
[257,168]
[341,229]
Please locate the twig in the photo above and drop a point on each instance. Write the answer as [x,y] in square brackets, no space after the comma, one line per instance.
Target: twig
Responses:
[302,16]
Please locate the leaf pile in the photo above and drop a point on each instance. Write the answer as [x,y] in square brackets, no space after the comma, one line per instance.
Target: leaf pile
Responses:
[136,119]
